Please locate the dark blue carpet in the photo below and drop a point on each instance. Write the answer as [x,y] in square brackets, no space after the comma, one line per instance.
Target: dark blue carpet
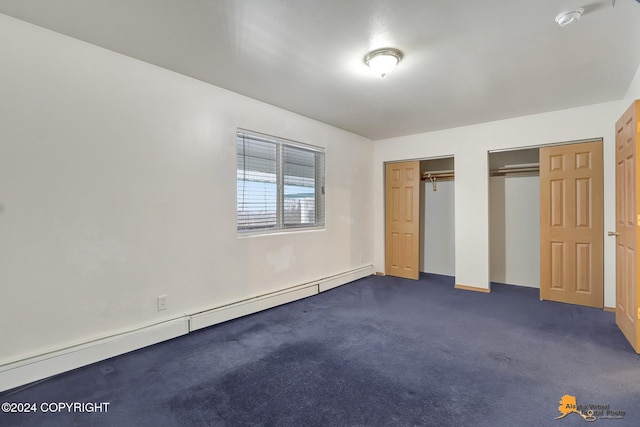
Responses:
[378,352]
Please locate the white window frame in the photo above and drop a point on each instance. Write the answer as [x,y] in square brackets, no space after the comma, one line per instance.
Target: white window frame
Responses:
[245,137]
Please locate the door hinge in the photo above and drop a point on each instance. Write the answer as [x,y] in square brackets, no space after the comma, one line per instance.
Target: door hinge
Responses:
[638,313]
[638,220]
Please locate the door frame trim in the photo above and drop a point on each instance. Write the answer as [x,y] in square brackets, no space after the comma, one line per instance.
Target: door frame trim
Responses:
[552,144]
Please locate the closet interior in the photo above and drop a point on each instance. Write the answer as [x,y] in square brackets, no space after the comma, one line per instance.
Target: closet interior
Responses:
[514,217]
[437,211]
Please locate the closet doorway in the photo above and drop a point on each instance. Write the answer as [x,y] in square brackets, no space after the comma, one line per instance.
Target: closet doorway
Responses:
[437,217]
[419,217]
[546,221]
[514,217]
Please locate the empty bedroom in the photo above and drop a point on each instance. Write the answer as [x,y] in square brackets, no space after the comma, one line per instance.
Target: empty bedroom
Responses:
[306,213]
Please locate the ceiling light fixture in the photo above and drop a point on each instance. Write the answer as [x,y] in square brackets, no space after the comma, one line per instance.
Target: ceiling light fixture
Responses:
[569,16]
[382,61]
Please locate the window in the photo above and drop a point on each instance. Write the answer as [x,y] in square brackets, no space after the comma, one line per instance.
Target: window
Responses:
[280,184]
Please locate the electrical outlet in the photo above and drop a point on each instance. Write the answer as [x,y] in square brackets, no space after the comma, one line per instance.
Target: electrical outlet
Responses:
[162,302]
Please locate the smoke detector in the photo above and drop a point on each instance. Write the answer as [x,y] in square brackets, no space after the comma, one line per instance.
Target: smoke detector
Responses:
[569,16]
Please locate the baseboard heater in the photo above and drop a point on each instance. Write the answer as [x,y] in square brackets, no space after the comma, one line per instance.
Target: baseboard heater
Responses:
[217,315]
[233,311]
[38,367]
[65,359]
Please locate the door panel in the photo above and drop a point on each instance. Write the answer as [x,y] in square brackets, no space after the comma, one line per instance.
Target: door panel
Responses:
[571,224]
[627,302]
[402,224]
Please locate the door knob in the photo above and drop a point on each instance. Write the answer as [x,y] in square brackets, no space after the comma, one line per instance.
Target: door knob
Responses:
[612,233]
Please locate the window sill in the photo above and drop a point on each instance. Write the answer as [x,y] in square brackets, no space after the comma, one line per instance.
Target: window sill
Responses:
[261,233]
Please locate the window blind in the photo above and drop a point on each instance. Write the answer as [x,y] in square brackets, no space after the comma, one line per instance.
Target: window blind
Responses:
[280,183]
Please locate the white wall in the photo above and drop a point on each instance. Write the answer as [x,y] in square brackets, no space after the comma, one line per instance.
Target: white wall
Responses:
[117,184]
[469,145]
[634,88]
[438,251]
[514,241]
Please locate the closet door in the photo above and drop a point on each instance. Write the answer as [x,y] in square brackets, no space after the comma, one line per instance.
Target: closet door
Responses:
[402,220]
[571,224]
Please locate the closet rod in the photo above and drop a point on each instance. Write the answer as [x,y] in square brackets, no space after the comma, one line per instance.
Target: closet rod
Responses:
[434,176]
[516,171]
[426,176]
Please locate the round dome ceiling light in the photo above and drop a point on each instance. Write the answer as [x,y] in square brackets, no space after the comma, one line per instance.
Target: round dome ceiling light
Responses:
[382,61]
[569,16]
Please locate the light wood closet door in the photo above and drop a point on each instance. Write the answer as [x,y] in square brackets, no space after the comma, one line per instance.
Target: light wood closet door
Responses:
[627,219]
[571,224]
[402,220]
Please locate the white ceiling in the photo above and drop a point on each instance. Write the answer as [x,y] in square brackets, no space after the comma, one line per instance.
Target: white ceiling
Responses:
[466,61]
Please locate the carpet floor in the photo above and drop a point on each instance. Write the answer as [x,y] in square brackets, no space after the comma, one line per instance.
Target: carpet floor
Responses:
[380,351]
